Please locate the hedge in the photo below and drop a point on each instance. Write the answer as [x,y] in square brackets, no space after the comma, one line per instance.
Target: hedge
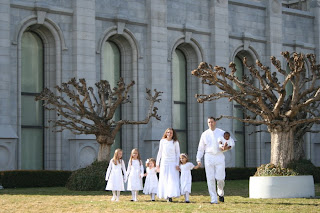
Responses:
[231,174]
[33,178]
[91,178]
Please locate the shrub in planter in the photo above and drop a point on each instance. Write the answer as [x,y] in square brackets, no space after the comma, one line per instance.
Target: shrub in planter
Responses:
[305,167]
[91,178]
[273,170]
[299,167]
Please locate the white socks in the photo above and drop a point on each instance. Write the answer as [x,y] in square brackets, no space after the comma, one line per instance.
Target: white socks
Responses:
[118,196]
[186,196]
[152,196]
[134,195]
[114,195]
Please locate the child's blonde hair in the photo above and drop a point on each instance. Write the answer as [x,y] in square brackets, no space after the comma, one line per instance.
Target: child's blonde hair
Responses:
[139,158]
[115,156]
[150,160]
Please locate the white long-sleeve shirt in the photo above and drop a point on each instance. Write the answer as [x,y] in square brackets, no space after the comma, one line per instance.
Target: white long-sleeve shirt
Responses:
[209,142]
[169,152]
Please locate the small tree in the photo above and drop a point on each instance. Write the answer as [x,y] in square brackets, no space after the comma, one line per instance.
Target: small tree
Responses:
[288,117]
[85,112]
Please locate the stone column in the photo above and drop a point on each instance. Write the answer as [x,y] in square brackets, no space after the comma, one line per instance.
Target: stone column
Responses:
[315,9]
[274,31]
[157,60]
[219,55]
[83,61]
[8,135]
[84,40]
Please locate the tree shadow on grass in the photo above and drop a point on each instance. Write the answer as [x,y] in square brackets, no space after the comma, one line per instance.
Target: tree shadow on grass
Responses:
[56,191]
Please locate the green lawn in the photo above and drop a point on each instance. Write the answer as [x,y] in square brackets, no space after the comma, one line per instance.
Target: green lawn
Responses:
[60,199]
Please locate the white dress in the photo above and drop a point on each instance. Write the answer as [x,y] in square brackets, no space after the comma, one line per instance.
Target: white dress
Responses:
[135,173]
[168,159]
[186,178]
[114,176]
[151,183]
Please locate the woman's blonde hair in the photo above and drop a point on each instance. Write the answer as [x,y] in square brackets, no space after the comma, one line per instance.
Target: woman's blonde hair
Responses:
[115,156]
[174,136]
[150,160]
[139,158]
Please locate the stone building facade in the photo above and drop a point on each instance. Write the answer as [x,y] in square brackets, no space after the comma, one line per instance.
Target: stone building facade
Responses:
[156,43]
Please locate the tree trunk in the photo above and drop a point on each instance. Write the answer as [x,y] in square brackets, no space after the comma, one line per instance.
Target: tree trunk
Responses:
[282,147]
[298,148]
[105,147]
[104,152]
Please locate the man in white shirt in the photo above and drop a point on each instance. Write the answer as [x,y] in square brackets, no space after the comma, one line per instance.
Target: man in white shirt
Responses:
[214,160]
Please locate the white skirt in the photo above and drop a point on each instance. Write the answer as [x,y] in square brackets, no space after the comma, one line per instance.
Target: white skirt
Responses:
[169,183]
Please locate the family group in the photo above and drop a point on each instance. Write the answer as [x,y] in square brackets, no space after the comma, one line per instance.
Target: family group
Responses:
[173,167]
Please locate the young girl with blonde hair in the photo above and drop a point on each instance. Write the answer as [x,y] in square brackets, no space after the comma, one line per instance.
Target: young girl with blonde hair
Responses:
[116,175]
[135,174]
[151,183]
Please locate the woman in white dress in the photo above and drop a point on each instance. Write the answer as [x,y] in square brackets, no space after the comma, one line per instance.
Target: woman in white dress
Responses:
[135,174]
[186,178]
[151,183]
[168,165]
[115,175]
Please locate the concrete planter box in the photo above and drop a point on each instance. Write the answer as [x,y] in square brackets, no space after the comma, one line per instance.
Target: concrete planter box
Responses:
[281,186]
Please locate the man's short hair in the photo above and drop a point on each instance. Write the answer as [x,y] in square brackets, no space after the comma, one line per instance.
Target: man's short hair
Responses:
[213,118]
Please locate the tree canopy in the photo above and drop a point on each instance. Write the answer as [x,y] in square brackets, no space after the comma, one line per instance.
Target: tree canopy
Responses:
[265,100]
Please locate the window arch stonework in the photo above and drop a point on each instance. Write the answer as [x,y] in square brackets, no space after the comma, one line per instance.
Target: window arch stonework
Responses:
[53,43]
[193,56]
[129,54]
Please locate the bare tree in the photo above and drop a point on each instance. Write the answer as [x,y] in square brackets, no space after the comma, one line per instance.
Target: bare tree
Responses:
[287,116]
[87,112]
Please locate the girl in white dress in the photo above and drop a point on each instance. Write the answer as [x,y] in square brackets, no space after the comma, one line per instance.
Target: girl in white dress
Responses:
[151,183]
[168,165]
[116,174]
[135,174]
[186,178]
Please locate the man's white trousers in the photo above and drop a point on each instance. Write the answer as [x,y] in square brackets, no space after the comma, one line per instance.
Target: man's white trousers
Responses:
[215,170]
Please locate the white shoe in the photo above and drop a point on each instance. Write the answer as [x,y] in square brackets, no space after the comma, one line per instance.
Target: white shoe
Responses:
[117,199]
[113,199]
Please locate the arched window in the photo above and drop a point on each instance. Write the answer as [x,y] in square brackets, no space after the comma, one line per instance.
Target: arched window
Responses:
[32,75]
[238,125]
[111,72]
[179,96]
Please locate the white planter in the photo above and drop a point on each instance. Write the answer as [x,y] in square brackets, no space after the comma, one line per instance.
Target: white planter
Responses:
[281,186]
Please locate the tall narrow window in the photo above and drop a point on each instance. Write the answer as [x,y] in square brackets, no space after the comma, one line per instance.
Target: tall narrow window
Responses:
[31,111]
[238,125]
[111,72]
[179,96]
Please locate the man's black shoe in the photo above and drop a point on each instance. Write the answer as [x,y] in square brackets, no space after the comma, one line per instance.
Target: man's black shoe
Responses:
[169,199]
[221,199]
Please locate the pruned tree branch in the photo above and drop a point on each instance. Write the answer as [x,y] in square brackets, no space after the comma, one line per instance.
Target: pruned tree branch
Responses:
[85,111]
